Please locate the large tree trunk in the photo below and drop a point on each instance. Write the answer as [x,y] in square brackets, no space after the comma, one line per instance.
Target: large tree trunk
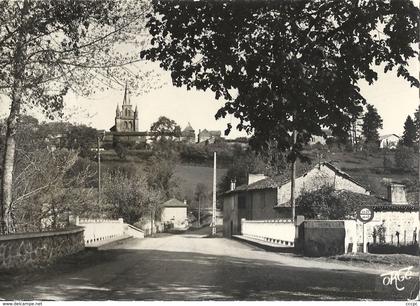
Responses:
[11,128]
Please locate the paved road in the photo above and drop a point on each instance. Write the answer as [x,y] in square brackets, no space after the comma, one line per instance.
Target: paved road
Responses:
[190,267]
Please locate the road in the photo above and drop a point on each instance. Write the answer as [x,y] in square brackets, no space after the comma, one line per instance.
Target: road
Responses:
[192,267]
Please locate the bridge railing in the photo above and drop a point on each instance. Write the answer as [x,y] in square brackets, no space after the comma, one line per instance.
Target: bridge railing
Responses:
[96,230]
[279,231]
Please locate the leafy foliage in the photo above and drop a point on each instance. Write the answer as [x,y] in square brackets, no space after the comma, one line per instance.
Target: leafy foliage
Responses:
[283,65]
[128,197]
[405,158]
[165,128]
[324,204]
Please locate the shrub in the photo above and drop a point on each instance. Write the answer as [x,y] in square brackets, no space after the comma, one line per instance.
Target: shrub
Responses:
[387,248]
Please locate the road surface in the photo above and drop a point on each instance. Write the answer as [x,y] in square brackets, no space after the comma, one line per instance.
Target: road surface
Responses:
[192,267]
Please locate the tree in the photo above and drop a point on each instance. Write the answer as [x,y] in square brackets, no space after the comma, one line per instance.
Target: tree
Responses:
[417,124]
[283,66]
[409,135]
[125,196]
[405,158]
[50,47]
[201,194]
[48,187]
[121,150]
[165,128]
[372,121]
[324,204]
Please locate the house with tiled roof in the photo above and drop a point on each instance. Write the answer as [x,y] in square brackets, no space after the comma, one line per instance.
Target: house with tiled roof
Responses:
[269,197]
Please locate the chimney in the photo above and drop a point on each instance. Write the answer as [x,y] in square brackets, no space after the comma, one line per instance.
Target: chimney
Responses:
[185,202]
[232,184]
[255,177]
[396,194]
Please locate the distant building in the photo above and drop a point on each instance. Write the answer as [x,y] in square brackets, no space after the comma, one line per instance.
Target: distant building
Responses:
[208,136]
[320,139]
[126,120]
[188,134]
[175,212]
[389,141]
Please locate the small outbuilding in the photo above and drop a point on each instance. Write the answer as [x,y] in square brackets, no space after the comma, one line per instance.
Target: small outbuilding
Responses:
[174,212]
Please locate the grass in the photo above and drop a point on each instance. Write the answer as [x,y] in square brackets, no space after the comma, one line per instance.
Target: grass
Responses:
[380,260]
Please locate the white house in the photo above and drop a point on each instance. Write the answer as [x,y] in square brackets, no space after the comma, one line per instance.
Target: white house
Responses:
[389,141]
[175,212]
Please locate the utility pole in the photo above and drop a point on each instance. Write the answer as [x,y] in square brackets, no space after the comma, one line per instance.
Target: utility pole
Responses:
[213,222]
[293,178]
[99,169]
[199,211]
[98,151]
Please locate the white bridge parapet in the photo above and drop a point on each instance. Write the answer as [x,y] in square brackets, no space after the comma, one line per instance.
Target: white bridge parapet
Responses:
[96,230]
[278,231]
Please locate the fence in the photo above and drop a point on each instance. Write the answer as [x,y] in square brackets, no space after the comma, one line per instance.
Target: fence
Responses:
[101,229]
[281,231]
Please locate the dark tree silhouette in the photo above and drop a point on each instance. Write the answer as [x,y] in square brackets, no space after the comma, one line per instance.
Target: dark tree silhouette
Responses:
[283,65]
[409,135]
[372,121]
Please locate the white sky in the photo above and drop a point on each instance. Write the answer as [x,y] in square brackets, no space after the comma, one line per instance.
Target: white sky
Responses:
[392,96]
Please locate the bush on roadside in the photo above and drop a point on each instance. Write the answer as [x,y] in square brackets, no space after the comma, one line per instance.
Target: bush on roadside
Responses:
[387,248]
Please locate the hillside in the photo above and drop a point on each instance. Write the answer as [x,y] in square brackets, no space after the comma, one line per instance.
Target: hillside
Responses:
[365,167]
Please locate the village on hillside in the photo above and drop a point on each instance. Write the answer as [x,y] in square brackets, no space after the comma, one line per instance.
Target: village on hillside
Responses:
[318,202]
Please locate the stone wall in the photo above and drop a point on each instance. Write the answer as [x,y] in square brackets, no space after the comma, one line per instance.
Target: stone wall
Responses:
[32,249]
[322,237]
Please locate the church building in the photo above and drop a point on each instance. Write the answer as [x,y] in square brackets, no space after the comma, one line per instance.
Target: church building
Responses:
[126,120]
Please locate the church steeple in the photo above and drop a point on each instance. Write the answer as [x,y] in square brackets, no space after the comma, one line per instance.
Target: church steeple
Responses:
[117,111]
[126,100]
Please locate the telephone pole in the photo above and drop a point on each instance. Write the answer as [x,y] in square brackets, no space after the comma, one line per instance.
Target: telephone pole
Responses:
[293,178]
[213,221]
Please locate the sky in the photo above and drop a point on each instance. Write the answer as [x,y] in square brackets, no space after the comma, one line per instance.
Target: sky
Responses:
[392,96]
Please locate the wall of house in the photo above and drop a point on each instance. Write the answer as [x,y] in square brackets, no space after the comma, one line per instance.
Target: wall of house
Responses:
[261,204]
[315,179]
[404,222]
[31,249]
[177,215]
